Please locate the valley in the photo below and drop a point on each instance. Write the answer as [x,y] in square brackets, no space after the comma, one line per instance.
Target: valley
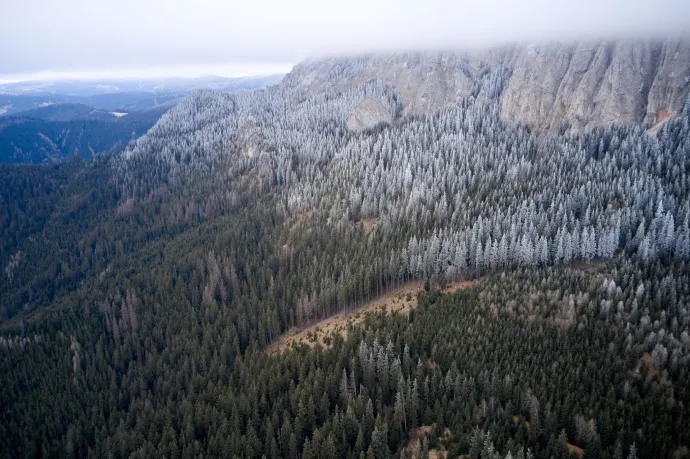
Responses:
[246,275]
[48,122]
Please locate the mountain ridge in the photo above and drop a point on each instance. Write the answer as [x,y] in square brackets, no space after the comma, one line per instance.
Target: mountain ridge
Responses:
[119,94]
[67,111]
[549,86]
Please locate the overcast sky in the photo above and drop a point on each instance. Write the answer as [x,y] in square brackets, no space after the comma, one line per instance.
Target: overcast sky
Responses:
[96,38]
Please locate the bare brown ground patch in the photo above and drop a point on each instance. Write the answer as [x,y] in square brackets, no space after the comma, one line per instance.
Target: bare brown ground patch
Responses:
[418,434]
[647,362]
[438,453]
[594,267]
[575,449]
[400,300]
[369,224]
[126,207]
[516,420]
[661,118]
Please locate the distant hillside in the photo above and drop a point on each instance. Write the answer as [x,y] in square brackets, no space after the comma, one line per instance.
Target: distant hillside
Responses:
[119,95]
[132,101]
[11,104]
[47,122]
[68,112]
[27,139]
[89,88]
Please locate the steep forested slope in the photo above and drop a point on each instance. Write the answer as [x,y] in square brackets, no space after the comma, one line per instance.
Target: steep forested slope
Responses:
[141,289]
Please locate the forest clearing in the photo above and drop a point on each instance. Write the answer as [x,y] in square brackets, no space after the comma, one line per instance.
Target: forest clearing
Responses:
[399,300]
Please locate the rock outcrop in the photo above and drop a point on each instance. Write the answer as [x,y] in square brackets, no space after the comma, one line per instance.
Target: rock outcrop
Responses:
[367,115]
[590,84]
[551,87]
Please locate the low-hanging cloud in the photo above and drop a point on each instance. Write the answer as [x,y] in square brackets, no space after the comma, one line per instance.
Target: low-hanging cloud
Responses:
[77,35]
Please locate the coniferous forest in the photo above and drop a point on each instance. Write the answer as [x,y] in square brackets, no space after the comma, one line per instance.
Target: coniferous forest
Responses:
[141,291]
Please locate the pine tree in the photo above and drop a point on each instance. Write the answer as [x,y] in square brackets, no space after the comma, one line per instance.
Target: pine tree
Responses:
[379,442]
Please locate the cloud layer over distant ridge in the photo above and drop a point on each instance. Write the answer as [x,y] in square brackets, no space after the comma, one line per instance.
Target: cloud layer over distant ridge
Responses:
[76,35]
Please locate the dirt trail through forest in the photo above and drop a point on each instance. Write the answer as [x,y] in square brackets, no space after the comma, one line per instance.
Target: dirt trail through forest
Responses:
[399,300]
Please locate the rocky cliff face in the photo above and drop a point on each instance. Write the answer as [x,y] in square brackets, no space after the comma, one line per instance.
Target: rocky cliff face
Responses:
[367,115]
[551,87]
[589,84]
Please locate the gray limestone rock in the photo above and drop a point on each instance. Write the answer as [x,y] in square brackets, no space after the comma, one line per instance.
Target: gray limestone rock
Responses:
[368,114]
[551,87]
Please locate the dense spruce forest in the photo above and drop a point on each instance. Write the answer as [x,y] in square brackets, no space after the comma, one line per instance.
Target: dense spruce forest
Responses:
[140,290]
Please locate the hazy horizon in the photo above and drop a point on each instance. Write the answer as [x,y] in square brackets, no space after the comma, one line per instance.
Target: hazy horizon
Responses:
[154,73]
[80,40]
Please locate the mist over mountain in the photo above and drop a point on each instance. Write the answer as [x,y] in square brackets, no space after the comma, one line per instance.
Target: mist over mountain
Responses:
[547,86]
[88,88]
[118,94]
